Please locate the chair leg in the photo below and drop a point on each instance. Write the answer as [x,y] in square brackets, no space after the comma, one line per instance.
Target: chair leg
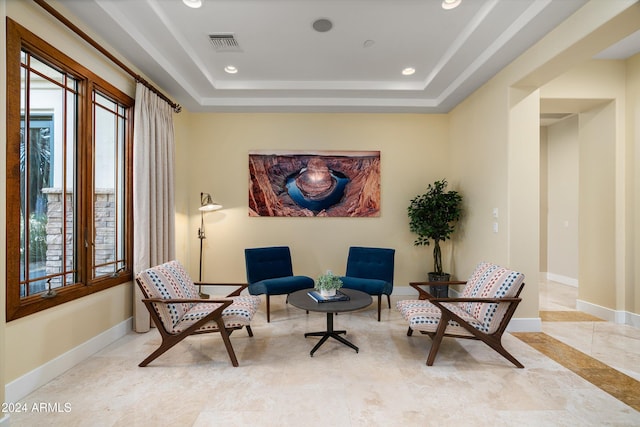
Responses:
[496,344]
[227,342]
[435,345]
[167,343]
[379,304]
[249,331]
[268,309]
[500,349]
[389,301]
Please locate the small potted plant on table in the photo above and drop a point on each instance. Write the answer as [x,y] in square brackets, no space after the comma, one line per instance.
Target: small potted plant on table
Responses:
[433,216]
[327,284]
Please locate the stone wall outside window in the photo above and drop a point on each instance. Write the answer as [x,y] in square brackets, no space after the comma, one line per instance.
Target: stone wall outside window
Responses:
[105,223]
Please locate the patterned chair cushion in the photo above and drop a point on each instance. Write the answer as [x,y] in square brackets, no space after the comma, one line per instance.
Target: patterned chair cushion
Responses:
[236,315]
[490,281]
[424,316]
[487,281]
[168,281]
[171,281]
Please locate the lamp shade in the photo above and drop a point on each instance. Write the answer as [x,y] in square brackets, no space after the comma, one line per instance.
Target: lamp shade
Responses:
[207,203]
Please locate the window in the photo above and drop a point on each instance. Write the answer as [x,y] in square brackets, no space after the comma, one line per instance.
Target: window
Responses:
[69,183]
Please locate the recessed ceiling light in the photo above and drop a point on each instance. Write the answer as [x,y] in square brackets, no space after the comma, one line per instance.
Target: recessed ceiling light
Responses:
[408,71]
[450,4]
[230,69]
[193,3]
[322,25]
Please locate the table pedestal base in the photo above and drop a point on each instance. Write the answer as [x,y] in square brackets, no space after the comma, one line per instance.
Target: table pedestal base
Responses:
[329,333]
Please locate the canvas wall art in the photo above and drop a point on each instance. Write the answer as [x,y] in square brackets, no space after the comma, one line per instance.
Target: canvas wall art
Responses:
[314,183]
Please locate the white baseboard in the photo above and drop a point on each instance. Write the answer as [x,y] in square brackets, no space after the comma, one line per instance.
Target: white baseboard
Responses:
[616,316]
[570,281]
[21,387]
[632,319]
[524,324]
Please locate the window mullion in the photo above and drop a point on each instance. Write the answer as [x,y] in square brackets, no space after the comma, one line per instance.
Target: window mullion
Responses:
[63,185]
[27,172]
[87,177]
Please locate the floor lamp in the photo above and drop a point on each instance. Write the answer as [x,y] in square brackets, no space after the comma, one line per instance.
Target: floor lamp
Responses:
[206,205]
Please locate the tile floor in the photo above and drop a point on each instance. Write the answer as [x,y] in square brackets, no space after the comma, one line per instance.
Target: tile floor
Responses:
[386,384]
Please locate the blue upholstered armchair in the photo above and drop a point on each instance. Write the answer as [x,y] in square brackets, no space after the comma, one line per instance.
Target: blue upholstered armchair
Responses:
[270,272]
[370,270]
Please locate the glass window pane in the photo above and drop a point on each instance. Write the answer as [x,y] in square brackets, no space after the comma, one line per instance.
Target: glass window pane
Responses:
[46,70]
[49,121]
[108,187]
[72,240]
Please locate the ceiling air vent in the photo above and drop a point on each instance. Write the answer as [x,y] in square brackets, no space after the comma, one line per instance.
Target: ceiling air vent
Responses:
[224,42]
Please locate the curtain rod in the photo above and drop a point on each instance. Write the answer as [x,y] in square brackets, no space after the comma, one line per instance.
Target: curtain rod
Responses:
[97,46]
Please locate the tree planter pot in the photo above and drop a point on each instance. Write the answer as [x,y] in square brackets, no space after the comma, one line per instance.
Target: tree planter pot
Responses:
[439,291]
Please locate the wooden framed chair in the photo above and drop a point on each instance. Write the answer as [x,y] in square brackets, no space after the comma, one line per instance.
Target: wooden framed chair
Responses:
[270,272]
[370,270]
[482,312]
[178,311]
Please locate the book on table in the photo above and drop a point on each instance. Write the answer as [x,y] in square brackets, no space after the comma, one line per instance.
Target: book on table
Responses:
[317,297]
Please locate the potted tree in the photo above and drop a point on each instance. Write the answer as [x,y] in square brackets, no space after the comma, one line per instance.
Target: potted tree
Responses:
[328,284]
[432,216]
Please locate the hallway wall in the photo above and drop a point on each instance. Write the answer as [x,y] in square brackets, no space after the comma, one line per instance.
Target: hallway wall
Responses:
[562,148]
[597,90]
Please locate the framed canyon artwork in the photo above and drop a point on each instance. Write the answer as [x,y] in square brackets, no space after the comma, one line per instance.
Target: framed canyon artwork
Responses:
[314,183]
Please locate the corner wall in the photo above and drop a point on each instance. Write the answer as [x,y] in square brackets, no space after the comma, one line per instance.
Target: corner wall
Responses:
[561,201]
[632,165]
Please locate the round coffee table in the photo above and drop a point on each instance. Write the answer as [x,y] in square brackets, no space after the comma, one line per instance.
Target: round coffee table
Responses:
[357,300]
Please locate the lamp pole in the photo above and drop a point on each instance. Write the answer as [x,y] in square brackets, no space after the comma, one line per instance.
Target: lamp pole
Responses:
[206,204]
[201,236]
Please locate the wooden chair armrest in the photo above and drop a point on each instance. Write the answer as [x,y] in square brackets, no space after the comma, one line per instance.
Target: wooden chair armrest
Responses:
[447,283]
[236,293]
[424,294]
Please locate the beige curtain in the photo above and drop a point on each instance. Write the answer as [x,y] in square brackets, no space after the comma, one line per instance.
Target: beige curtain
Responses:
[153,191]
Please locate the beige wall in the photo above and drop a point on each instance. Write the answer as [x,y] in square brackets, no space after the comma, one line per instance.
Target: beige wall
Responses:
[598,274]
[597,90]
[544,184]
[56,331]
[632,285]
[562,200]
[213,157]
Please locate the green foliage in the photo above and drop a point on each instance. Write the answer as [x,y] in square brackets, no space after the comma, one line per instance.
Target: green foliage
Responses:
[432,216]
[37,237]
[328,281]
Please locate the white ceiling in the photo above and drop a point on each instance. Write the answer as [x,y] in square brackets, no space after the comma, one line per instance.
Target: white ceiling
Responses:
[285,65]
